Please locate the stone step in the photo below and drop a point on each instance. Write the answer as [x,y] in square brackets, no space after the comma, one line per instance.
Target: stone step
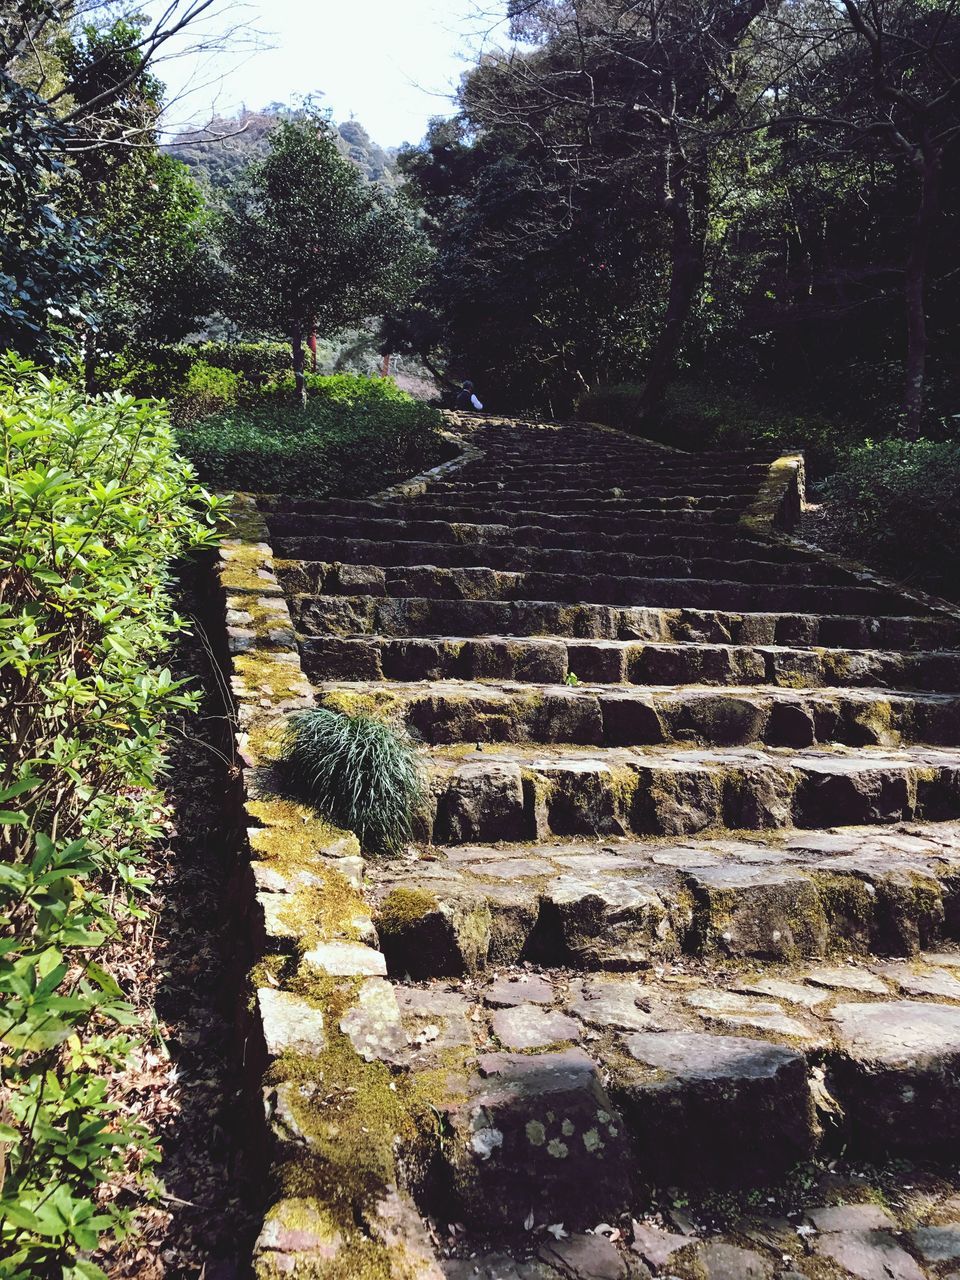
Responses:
[533,793]
[625,511]
[576,1095]
[516,558]
[444,712]
[647,468]
[295,536]
[557,488]
[427,581]
[621,904]
[356,615]
[553,659]
[614,515]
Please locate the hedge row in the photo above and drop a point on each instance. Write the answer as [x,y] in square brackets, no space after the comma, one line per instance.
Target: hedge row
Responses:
[94,506]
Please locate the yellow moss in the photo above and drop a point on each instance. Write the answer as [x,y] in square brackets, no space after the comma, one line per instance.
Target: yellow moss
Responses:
[403,907]
[624,786]
[294,846]
[318,912]
[264,673]
[378,703]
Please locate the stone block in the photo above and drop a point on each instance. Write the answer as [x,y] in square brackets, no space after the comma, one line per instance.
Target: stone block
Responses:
[602,923]
[715,1110]
[767,912]
[481,801]
[537,1134]
[288,1023]
[434,929]
[897,1075]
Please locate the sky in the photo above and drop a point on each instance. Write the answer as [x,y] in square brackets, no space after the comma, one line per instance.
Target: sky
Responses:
[393,64]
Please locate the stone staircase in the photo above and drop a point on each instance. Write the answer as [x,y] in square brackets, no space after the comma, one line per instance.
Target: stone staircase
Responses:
[683,905]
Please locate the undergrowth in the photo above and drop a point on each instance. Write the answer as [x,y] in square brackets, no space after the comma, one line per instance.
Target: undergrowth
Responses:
[355,435]
[94,505]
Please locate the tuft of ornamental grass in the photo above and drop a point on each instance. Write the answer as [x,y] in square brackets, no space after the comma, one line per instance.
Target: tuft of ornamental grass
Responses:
[357,770]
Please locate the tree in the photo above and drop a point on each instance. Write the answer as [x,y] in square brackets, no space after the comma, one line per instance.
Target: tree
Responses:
[78,104]
[48,259]
[309,246]
[151,218]
[912,105]
[633,96]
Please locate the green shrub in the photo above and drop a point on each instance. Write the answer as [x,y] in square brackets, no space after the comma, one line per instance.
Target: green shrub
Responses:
[356,770]
[897,503]
[207,389]
[356,435]
[256,361]
[94,505]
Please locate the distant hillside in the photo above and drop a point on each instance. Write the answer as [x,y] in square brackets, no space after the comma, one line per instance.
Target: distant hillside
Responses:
[242,138]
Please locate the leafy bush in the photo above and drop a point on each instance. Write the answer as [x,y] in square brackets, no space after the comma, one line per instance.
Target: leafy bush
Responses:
[94,504]
[697,417]
[207,389]
[356,770]
[256,361]
[897,503]
[355,435]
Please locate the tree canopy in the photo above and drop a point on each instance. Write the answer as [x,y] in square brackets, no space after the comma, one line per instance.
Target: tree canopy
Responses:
[310,247]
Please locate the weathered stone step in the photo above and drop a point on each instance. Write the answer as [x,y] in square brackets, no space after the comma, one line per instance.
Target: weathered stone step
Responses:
[626,904]
[648,468]
[681,490]
[515,558]
[719,510]
[615,515]
[533,793]
[431,582]
[346,615]
[553,659]
[294,537]
[443,712]
[599,1088]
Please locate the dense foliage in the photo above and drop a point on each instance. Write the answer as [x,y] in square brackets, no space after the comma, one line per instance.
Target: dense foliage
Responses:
[757,193]
[94,505]
[311,248]
[356,435]
[898,504]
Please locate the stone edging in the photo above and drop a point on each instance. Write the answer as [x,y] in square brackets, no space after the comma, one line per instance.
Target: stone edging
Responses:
[322,1020]
[777,510]
[418,484]
[868,576]
[779,503]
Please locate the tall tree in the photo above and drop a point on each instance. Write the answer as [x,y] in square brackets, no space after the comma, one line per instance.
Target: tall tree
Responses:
[312,248]
[912,104]
[634,96]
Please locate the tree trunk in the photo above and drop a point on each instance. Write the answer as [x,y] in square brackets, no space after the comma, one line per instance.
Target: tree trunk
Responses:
[687,207]
[915,295]
[296,343]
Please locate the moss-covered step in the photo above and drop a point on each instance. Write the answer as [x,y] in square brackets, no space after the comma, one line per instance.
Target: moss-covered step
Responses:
[527,793]
[412,617]
[315,552]
[553,659]
[294,537]
[456,711]
[477,583]
[714,1082]
[624,904]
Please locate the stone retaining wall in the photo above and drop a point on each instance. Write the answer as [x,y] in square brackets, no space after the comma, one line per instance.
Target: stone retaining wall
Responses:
[322,1020]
